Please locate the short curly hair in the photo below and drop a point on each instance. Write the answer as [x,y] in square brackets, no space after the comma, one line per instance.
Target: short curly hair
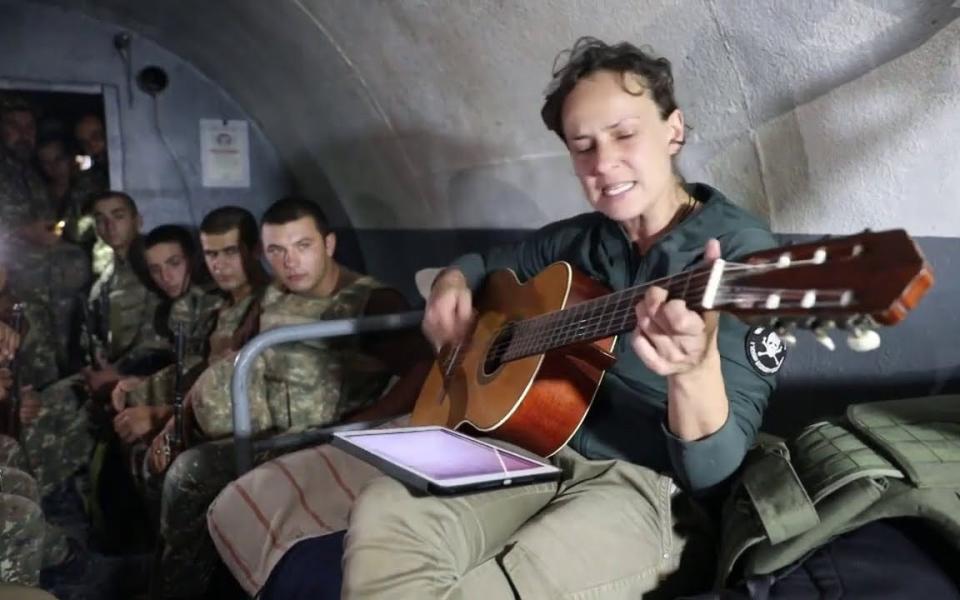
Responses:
[589,55]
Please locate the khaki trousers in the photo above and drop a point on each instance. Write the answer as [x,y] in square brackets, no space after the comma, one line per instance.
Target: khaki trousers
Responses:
[608,529]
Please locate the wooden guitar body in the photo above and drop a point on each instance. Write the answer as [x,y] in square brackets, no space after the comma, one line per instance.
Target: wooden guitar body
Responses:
[536,402]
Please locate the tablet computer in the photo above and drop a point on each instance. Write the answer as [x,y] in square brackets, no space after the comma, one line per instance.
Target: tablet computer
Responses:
[442,461]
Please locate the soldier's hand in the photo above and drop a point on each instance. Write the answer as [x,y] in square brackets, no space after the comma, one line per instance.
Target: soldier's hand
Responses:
[118,396]
[137,422]
[9,342]
[449,313]
[158,456]
[30,404]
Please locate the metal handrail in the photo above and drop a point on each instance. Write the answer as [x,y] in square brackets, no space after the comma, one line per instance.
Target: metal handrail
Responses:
[242,430]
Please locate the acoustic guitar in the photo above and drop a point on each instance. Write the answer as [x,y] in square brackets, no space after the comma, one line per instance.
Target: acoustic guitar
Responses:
[529,371]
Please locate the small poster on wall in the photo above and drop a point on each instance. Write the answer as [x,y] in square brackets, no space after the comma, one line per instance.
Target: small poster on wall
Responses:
[225,153]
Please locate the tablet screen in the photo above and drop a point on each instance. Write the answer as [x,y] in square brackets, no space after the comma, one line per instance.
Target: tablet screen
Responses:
[441,454]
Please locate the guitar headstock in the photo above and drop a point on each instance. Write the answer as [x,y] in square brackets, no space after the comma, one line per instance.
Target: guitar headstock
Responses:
[852,283]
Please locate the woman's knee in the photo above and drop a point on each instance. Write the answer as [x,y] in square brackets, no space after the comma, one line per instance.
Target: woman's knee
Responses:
[384,503]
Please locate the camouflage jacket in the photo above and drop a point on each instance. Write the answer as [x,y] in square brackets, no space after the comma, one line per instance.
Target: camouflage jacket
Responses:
[121,316]
[23,196]
[197,310]
[301,384]
[37,353]
[236,324]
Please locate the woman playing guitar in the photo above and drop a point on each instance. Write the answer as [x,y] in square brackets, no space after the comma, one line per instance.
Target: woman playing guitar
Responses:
[674,415]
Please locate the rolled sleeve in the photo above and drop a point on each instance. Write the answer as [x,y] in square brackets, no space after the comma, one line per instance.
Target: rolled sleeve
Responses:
[473,267]
[704,463]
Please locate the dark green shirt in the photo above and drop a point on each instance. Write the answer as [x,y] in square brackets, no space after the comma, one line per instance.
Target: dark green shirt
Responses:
[628,418]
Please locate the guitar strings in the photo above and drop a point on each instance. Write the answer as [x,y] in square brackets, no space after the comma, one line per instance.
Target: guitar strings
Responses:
[552,336]
[573,323]
[551,328]
[694,275]
[510,350]
[530,345]
[591,326]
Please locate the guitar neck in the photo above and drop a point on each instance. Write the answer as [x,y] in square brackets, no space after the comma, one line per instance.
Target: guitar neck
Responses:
[817,285]
[601,317]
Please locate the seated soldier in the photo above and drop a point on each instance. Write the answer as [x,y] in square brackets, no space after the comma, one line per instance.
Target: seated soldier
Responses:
[118,337]
[121,334]
[671,419]
[231,244]
[297,385]
[142,403]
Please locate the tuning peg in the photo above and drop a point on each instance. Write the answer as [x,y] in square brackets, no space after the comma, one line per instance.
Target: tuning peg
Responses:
[786,334]
[824,339]
[863,340]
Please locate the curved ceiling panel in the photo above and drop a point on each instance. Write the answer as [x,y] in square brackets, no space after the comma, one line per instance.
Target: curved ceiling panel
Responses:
[426,113]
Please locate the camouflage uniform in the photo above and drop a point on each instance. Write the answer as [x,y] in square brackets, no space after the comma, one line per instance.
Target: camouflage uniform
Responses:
[57,274]
[305,384]
[38,354]
[27,541]
[301,384]
[197,309]
[37,368]
[235,324]
[21,540]
[23,196]
[11,453]
[59,442]
[130,316]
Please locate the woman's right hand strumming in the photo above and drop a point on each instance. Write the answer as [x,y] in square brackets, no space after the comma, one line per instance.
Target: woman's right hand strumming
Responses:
[449,313]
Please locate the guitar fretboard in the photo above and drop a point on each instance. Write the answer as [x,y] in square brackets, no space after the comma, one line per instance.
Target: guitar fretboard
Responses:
[594,319]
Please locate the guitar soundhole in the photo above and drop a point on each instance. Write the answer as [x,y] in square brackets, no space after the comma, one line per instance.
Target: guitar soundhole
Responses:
[497,350]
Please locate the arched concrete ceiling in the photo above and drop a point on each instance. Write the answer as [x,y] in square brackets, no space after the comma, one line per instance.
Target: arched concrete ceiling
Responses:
[414,110]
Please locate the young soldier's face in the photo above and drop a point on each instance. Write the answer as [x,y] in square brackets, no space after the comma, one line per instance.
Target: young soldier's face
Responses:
[168,268]
[299,254]
[224,256]
[116,224]
[620,146]
[18,132]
